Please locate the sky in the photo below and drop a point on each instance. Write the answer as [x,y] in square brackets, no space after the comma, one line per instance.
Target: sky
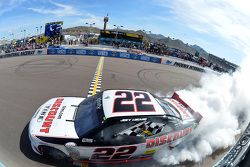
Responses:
[221,27]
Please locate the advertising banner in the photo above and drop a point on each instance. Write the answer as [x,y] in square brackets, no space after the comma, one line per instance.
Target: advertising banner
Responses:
[53,29]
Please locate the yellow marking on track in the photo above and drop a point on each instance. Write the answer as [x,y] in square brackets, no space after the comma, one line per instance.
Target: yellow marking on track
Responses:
[99,71]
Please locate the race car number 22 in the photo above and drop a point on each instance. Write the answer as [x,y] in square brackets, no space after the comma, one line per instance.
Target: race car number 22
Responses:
[110,153]
[126,101]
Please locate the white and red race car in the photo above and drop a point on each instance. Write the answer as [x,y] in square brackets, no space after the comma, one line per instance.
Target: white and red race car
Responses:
[114,125]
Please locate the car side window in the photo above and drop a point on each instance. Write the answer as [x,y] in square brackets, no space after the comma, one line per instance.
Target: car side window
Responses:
[110,134]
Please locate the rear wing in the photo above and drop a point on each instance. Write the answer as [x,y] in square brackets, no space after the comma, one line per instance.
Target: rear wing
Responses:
[196,115]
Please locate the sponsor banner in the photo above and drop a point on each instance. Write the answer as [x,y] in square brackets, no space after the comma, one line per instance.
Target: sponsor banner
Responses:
[70,51]
[61,51]
[237,153]
[102,53]
[91,52]
[81,52]
[135,56]
[182,65]
[52,51]
[167,62]
[113,54]
[145,58]
[20,53]
[124,55]
[40,51]
[155,60]
[53,29]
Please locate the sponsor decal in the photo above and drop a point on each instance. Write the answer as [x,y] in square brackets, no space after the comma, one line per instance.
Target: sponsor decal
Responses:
[85,140]
[43,113]
[61,112]
[151,151]
[51,116]
[158,141]
[181,108]
[133,119]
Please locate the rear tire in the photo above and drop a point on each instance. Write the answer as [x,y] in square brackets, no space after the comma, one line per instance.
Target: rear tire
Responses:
[53,152]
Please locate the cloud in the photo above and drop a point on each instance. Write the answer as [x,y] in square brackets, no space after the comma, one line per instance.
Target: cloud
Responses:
[60,10]
[6,6]
[227,19]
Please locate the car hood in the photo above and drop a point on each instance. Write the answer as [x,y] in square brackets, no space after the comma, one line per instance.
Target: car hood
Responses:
[55,118]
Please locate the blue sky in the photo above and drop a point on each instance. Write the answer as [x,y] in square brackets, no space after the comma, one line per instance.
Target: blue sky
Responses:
[221,27]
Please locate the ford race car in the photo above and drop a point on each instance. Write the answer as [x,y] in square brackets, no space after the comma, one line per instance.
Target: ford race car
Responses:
[114,125]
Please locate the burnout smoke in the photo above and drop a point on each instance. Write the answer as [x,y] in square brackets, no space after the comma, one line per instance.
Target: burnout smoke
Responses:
[223,100]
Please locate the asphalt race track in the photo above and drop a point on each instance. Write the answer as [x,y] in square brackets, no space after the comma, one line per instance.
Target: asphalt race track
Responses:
[27,82]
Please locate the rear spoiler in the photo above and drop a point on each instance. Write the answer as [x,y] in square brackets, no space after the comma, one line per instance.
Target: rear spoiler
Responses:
[196,115]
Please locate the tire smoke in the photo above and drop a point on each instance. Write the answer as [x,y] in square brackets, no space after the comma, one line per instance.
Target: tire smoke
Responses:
[223,100]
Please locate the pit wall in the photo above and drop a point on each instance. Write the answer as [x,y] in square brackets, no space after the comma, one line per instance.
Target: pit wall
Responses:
[107,53]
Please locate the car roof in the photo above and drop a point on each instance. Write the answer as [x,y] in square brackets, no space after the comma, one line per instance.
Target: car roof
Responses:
[114,101]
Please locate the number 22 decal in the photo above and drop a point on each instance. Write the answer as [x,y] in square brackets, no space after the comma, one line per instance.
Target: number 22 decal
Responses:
[125,101]
[110,153]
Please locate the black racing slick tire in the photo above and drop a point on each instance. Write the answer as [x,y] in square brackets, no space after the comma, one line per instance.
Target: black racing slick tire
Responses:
[53,153]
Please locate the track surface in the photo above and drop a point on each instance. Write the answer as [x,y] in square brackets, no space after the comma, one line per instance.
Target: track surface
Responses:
[27,82]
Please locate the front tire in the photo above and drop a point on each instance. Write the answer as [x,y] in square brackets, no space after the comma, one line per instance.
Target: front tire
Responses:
[53,153]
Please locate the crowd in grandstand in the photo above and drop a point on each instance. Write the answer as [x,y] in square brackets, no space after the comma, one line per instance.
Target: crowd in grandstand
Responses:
[21,45]
[146,47]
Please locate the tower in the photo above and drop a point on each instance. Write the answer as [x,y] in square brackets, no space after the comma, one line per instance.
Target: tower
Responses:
[106,19]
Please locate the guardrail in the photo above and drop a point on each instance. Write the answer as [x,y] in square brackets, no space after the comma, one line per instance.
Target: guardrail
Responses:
[237,153]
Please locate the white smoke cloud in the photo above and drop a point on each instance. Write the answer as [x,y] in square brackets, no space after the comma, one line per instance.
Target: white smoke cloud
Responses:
[222,100]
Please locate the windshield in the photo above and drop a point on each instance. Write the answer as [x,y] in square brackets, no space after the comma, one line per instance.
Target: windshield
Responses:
[89,115]
[169,109]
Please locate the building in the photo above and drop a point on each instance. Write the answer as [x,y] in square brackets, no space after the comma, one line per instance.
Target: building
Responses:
[110,37]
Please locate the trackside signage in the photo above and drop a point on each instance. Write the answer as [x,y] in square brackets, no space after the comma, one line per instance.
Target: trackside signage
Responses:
[22,53]
[25,53]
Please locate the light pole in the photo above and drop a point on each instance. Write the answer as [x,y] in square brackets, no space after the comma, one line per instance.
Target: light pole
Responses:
[40,38]
[116,34]
[89,30]
[24,33]
[3,39]
[148,33]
